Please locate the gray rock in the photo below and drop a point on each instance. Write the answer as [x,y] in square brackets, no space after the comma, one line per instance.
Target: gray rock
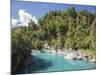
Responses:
[93,61]
[80,57]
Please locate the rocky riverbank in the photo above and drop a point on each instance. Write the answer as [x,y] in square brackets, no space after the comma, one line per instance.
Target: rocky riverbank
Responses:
[70,54]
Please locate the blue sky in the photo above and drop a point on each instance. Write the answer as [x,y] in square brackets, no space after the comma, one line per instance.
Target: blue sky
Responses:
[39,9]
[24,11]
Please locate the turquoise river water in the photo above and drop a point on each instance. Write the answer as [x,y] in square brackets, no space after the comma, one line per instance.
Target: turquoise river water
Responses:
[47,62]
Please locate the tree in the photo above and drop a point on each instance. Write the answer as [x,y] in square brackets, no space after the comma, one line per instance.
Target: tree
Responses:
[71,12]
[21,47]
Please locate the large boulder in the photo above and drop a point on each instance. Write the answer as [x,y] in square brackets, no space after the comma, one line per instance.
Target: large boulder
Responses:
[80,57]
[71,56]
[93,60]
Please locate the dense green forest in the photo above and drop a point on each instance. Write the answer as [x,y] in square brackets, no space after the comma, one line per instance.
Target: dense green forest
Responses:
[60,29]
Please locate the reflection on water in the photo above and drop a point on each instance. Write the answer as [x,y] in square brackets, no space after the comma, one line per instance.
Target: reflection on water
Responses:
[46,62]
[35,65]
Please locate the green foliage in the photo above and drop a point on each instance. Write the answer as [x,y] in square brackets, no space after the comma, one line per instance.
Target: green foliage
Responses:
[37,44]
[77,28]
[21,46]
[71,12]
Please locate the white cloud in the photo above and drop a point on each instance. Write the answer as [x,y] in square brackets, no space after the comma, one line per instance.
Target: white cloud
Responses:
[26,17]
[14,22]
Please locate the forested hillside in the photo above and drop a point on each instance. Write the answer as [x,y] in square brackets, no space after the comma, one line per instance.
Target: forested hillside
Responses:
[68,29]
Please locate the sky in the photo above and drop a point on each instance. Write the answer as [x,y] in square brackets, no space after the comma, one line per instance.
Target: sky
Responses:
[23,11]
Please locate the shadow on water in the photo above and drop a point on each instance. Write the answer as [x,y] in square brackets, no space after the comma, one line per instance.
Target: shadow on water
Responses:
[34,64]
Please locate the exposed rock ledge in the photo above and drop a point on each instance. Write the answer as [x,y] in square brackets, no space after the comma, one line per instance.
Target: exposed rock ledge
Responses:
[79,56]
